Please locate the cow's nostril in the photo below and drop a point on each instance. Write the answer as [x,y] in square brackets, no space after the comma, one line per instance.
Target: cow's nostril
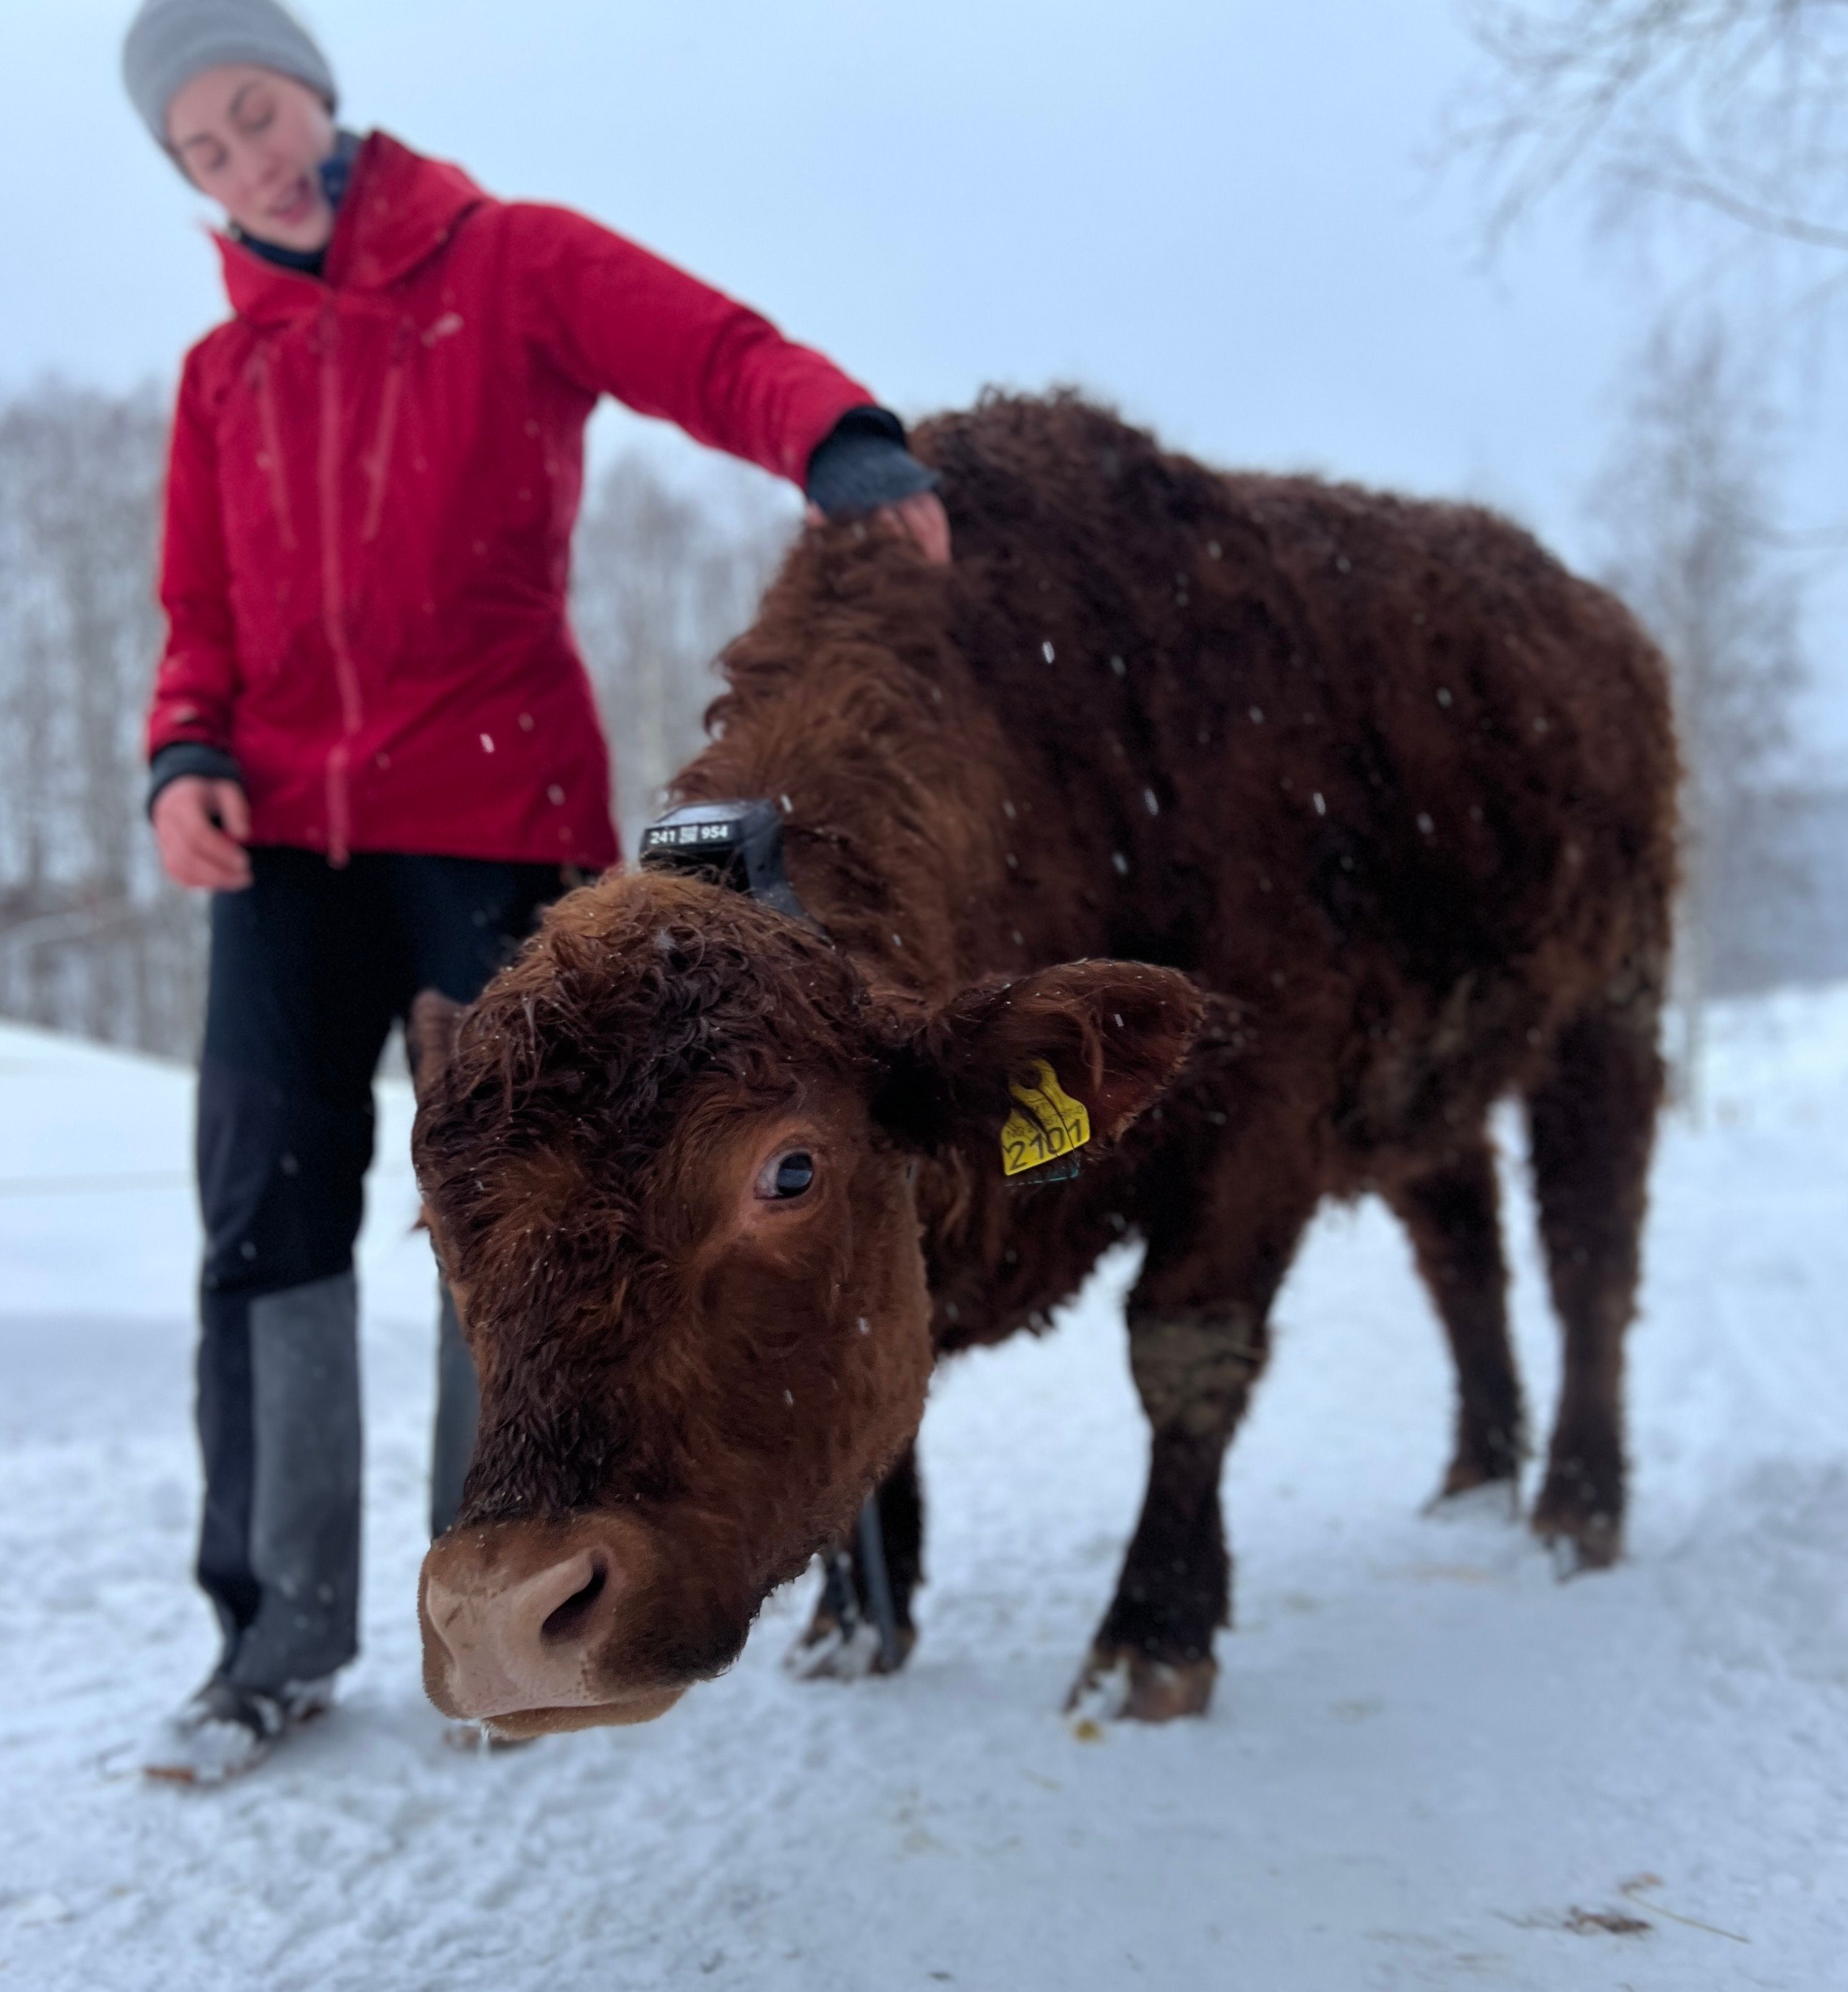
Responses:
[568,1621]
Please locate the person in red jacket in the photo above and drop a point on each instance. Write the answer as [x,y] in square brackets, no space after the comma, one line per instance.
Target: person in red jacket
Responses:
[371,737]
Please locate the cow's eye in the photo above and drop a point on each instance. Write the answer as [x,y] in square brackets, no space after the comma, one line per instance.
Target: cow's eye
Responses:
[788,1174]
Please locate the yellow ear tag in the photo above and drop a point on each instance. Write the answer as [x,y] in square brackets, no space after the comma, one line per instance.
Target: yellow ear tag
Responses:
[1054,1124]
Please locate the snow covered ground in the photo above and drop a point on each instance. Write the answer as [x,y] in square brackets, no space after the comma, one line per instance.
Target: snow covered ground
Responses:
[1429,1765]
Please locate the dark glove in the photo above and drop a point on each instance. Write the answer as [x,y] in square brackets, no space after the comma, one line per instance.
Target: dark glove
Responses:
[862,463]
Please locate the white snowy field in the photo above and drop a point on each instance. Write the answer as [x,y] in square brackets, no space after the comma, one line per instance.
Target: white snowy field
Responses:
[1430,1763]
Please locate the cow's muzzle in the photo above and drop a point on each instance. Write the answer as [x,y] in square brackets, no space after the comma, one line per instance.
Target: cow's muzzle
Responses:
[521,1623]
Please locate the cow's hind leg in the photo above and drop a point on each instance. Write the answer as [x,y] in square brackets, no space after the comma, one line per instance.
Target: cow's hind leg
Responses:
[1451,1210]
[828,1650]
[1592,1121]
[1199,1335]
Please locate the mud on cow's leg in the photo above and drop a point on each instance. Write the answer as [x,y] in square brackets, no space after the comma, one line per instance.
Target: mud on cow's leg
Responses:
[829,1651]
[1592,1126]
[1452,1212]
[1223,1228]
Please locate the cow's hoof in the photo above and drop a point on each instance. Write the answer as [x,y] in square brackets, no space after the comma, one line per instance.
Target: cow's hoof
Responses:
[1119,1684]
[826,1652]
[1579,1538]
[1486,1455]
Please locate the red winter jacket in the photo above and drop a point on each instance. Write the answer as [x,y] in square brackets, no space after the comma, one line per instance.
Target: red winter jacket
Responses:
[374,477]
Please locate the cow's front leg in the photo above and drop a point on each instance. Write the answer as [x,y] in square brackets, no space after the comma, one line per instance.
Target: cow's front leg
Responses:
[838,1646]
[1152,1658]
[1195,1361]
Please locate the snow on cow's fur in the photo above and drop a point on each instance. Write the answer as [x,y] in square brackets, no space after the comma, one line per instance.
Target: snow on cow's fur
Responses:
[1293,824]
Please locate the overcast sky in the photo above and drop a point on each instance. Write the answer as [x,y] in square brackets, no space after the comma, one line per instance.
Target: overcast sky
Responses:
[1214,212]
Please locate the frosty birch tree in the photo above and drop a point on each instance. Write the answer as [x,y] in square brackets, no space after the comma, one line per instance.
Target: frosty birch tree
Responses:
[1689,519]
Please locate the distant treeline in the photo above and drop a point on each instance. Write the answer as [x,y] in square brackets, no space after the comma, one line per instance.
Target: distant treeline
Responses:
[93,940]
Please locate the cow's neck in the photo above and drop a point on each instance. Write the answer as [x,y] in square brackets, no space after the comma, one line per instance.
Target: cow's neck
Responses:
[893,778]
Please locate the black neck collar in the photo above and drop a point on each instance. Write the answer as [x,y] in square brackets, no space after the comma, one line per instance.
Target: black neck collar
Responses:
[738,845]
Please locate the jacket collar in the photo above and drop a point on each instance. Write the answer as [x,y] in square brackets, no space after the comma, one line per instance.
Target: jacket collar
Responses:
[400,209]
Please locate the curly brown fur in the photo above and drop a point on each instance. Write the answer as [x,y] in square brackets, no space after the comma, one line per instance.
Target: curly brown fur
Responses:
[1386,791]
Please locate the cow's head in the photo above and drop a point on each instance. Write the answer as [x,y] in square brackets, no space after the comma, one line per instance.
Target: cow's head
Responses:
[667,1162]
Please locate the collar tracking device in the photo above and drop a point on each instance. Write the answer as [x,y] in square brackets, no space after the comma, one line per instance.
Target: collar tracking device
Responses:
[738,845]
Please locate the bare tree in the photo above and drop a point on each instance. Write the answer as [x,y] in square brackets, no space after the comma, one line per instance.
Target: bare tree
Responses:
[1689,519]
[663,579]
[91,937]
[1738,108]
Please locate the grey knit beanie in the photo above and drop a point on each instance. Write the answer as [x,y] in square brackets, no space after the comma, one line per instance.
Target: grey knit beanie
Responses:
[170,42]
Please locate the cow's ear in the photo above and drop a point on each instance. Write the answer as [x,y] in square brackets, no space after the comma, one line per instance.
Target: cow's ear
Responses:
[430,1039]
[1111,1033]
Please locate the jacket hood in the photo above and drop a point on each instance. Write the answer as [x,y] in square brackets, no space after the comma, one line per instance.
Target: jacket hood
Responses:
[400,209]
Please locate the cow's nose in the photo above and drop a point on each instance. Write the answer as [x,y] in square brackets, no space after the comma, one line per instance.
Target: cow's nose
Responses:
[504,1644]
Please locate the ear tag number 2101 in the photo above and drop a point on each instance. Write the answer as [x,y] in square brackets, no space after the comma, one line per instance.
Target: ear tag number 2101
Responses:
[1054,1124]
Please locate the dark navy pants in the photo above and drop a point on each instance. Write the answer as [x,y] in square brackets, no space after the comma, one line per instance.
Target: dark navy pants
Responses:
[309,967]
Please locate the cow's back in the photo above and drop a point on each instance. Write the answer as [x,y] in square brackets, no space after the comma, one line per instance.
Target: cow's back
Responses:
[1386,760]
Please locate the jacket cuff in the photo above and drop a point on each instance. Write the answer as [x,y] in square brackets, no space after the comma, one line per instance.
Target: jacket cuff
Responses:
[862,463]
[189,757]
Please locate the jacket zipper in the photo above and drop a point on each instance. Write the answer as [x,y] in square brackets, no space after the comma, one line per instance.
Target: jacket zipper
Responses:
[333,605]
[379,462]
[272,448]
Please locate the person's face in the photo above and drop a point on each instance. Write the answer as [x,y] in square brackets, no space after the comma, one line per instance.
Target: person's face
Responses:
[251,140]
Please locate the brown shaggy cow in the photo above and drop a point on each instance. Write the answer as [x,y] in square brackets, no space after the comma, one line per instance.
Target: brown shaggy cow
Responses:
[1291,825]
